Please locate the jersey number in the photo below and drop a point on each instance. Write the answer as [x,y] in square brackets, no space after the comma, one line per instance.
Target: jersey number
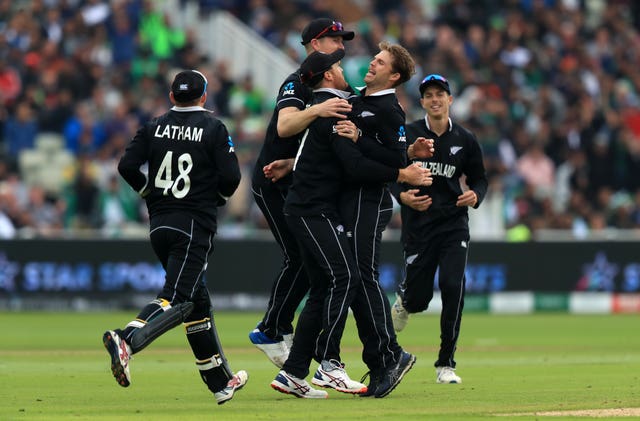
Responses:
[164,178]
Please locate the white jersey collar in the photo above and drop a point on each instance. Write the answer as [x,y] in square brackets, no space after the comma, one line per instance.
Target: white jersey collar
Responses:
[379,93]
[185,109]
[336,92]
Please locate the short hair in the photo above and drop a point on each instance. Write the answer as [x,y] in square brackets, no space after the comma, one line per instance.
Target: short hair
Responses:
[403,63]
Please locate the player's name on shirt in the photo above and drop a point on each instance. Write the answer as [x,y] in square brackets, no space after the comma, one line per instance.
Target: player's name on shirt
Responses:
[438,168]
[193,134]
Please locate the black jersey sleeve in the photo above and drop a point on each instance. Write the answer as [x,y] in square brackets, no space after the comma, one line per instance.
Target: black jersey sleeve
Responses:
[358,167]
[475,171]
[293,94]
[227,165]
[134,157]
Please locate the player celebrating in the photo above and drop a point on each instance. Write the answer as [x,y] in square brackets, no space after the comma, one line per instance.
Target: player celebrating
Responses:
[290,118]
[435,221]
[192,169]
[324,161]
[367,208]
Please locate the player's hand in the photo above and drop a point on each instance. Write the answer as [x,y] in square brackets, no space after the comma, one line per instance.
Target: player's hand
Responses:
[422,148]
[348,129]
[415,175]
[414,201]
[278,169]
[334,107]
[468,198]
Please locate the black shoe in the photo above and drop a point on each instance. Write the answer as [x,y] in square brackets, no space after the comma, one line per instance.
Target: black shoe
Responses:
[374,381]
[392,376]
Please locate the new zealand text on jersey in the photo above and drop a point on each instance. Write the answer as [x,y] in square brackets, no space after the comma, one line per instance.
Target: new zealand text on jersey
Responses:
[193,134]
[438,168]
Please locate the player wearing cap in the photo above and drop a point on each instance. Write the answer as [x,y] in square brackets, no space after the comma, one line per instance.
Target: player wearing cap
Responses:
[291,116]
[324,162]
[192,169]
[435,221]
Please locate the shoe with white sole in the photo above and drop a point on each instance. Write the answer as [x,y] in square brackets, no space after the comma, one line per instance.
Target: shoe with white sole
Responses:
[120,353]
[276,351]
[392,376]
[447,375]
[291,385]
[399,315]
[332,374]
[234,384]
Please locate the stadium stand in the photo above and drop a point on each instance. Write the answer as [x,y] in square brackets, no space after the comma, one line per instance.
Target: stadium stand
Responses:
[549,81]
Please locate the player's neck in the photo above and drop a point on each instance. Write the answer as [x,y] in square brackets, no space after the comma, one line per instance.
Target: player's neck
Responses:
[439,124]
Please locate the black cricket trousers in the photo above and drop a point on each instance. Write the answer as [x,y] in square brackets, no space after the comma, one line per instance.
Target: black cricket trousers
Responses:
[334,282]
[366,212]
[291,282]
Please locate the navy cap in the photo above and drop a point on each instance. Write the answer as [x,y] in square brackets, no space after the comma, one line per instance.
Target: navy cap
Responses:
[434,79]
[316,63]
[188,85]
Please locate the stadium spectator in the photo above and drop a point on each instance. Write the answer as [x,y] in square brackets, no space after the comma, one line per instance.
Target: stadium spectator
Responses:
[565,67]
[20,130]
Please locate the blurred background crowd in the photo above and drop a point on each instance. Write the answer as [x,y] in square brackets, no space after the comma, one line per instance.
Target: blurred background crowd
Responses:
[550,87]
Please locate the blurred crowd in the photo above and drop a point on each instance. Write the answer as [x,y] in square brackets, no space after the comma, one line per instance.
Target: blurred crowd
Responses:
[550,87]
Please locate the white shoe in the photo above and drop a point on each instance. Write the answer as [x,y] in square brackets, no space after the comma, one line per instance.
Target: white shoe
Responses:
[332,374]
[447,375]
[120,353]
[276,351]
[291,385]
[235,383]
[399,315]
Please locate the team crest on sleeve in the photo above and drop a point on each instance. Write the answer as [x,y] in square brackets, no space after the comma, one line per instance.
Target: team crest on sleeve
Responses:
[230,143]
[402,135]
[288,89]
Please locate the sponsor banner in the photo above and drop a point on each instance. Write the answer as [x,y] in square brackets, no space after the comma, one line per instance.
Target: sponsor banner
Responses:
[511,302]
[85,268]
[551,302]
[590,302]
[626,303]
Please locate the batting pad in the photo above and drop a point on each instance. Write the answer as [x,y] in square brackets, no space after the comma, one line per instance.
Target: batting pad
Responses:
[171,317]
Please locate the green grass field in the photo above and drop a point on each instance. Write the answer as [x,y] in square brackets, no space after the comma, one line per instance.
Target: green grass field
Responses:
[53,367]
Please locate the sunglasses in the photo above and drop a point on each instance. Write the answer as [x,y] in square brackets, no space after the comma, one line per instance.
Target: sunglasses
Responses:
[334,27]
[434,76]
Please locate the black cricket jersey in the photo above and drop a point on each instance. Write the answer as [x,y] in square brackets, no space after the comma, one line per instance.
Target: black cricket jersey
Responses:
[292,93]
[457,152]
[192,165]
[381,120]
[323,163]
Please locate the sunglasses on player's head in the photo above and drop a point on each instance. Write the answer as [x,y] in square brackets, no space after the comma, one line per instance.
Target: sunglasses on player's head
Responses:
[434,76]
[334,27]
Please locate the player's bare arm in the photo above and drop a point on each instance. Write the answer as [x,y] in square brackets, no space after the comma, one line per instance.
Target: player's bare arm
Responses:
[415,175]
[415,201]
[292,121]
[422,148]
[468,198]
[278,169]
